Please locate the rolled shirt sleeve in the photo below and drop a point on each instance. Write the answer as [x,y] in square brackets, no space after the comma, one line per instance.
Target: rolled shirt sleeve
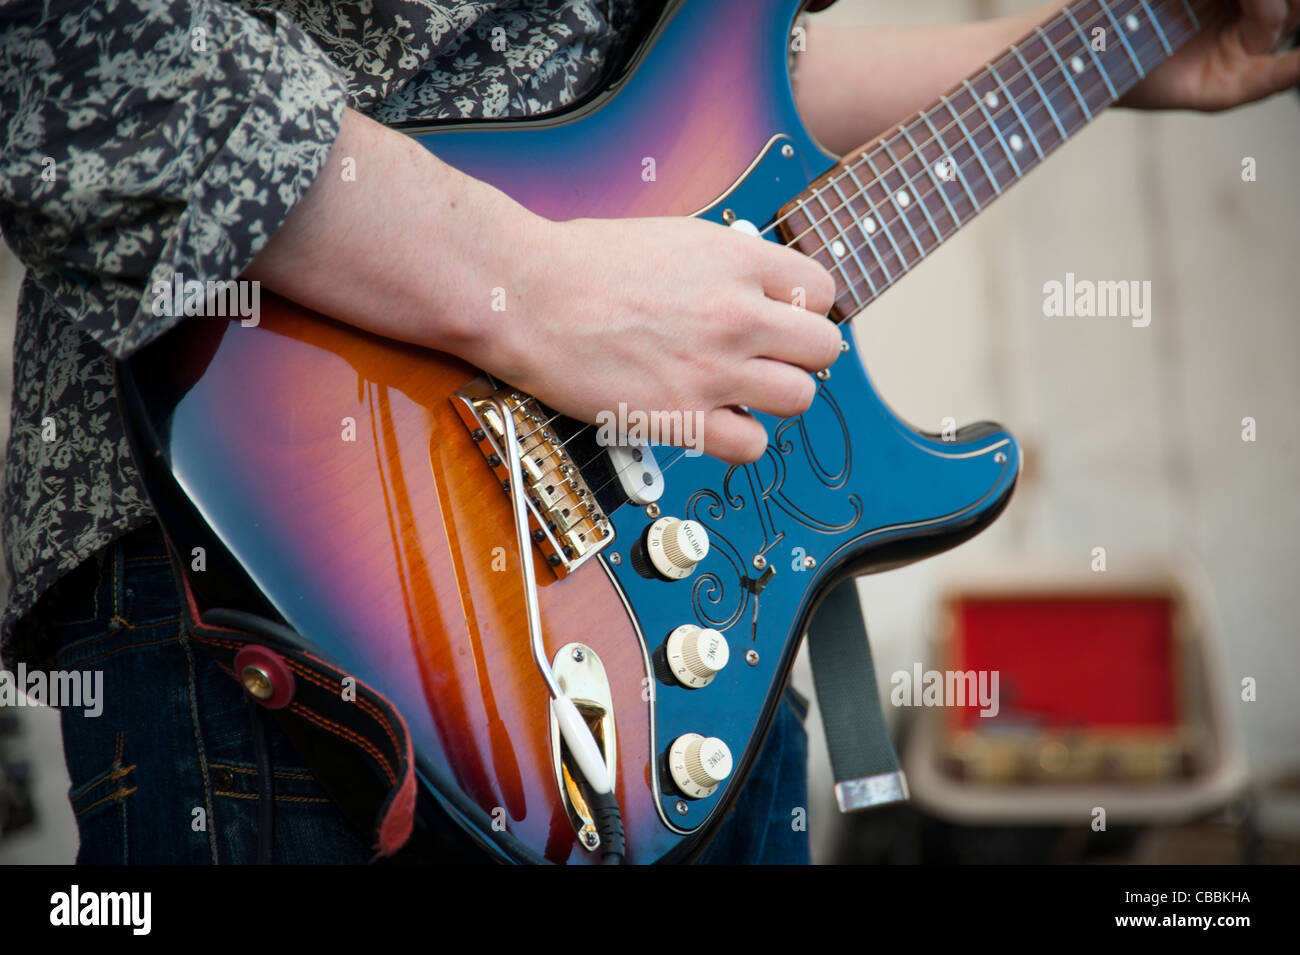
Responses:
[145,139]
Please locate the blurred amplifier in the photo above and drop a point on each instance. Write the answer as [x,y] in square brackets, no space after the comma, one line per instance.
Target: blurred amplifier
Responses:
[1071,683]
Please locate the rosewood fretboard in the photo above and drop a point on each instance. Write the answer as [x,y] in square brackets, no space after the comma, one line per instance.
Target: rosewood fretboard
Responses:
[888,205]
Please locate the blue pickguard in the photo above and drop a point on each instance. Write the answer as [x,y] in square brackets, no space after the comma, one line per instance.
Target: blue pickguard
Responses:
[848,484]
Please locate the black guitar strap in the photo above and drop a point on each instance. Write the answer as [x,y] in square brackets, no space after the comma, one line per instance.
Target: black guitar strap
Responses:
[866,767]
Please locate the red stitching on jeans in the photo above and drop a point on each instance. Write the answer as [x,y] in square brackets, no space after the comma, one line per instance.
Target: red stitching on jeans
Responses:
[366,706]
[345,733]
[311,676]
[340,731]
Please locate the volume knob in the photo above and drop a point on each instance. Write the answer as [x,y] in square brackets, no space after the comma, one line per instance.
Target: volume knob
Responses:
[696,654]
[698,764]
[676,546]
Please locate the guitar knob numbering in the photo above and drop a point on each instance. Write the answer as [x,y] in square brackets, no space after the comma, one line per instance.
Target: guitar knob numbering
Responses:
[676,546]
[696,654]
[698,764]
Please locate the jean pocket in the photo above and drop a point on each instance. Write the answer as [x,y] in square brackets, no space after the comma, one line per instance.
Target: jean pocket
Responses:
[100,804]
[307,828]
[75,602]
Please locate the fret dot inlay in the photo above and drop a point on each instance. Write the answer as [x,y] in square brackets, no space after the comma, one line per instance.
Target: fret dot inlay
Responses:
[859,219]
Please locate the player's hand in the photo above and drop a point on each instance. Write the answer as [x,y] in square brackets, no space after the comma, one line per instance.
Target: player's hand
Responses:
[664,315]
[1228,63]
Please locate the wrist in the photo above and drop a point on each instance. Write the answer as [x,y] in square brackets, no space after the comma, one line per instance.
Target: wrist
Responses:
[494,322]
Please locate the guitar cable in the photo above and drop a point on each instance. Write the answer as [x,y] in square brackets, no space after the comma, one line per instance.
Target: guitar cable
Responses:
[266,782]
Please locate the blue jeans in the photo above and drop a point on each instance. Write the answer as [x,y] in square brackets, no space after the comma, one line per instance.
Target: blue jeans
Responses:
[167,772]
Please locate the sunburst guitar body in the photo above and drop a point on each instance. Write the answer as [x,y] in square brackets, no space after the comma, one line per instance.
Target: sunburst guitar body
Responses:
[359,482]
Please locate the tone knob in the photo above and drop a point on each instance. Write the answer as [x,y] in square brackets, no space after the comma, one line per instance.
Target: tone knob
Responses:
[698,764]
[696,654]
[676,546]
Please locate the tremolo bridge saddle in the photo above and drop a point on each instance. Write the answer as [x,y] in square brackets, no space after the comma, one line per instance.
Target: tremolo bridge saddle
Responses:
[569,525]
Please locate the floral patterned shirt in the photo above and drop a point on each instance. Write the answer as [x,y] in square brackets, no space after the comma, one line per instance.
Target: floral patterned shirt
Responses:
[143,138]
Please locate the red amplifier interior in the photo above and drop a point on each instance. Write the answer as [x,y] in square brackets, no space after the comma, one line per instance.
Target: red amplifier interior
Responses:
[1070,662]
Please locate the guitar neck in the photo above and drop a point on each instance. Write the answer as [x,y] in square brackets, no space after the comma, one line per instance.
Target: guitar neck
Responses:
[871,218]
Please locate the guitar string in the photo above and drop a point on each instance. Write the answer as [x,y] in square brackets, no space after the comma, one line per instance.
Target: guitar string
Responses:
[1041,103]
[890,217]
[897,165]
[676,454]
[998,165]
[1026,70]
[892,165]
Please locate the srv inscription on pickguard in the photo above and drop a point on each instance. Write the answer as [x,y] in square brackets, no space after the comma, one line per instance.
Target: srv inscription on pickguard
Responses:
[757,509]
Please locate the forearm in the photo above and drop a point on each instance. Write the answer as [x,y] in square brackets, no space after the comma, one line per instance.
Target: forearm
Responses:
[404,245]
[852,83]
[661,314]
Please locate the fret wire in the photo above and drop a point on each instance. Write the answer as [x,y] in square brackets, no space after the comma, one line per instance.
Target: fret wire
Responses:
[1105,77]
[958,117]
[1058,81]
[1160,33]
[916,193]
[836,230]
[1119,32]
[975,147]
[680,453]
[880,220]
[1051,47]
[826,245]
[1051,110]
[889,193]
[866,236]
[943,193]
[977,153]
[951,156]
[886,189]
[1015,107]
[847,205]
[1192,13]
[906,267]
[979,101]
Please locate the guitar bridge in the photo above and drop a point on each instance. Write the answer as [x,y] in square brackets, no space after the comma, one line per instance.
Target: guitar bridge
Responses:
[569,526]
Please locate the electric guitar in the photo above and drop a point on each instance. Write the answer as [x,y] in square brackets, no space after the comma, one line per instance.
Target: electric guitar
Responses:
[366,492]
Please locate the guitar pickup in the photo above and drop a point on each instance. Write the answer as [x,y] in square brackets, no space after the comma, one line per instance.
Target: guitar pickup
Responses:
[638,471]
